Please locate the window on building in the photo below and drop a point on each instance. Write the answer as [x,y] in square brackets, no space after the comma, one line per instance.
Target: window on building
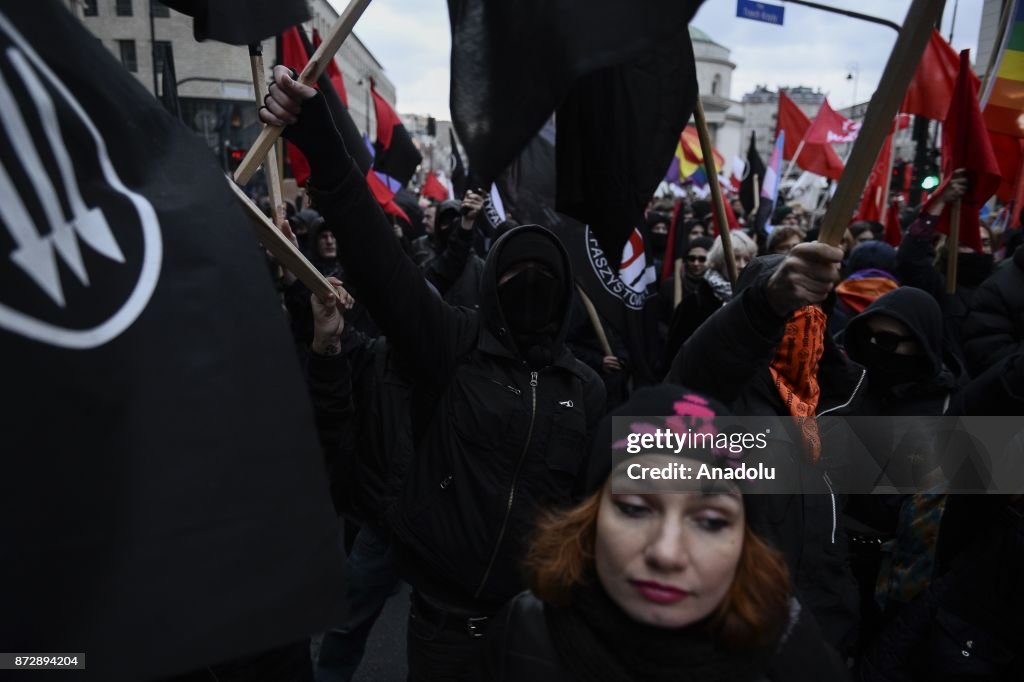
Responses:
[124,8]
[158,9]
[90,8]
[716,84]
[127,48]
[161,49]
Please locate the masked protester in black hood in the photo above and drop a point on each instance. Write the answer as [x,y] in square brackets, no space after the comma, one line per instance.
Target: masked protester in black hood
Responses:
[500,409]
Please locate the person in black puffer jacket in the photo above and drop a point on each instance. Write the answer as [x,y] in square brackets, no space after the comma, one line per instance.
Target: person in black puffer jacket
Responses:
[509,409]
[658,585]
[994,329]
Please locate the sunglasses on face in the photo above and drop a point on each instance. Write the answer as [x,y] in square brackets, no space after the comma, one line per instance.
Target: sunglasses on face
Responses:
[696,259]
[888,341]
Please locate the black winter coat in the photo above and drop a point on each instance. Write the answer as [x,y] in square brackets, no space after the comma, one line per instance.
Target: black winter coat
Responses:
[498,441]
[994,329]
[728,358]
[520,649]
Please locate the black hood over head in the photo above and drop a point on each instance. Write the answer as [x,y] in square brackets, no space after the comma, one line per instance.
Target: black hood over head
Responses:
[921,314]
[519,245]
[447,212]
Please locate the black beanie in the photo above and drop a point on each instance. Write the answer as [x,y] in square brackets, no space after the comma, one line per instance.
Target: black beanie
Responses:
[529,245]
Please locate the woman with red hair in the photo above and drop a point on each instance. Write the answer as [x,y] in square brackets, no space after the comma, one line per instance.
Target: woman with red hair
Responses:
[640,583]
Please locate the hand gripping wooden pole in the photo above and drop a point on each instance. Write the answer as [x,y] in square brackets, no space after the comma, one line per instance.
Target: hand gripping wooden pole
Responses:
[313,70]
[899,70]
[716,192]
[953,247]
[282,249]
[272,174]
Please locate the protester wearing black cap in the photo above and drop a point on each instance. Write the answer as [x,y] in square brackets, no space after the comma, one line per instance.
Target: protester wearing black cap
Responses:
[644,582]
[501,409]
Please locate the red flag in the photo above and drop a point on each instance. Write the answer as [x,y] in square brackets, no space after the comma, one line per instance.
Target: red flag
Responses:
[1009,152]
[873,201]
[932,87]
[433,189]
[384,196]
[395,153]
[831,127]
[333,72]
[966,144]
[387,119]
[893,228]
[816,158]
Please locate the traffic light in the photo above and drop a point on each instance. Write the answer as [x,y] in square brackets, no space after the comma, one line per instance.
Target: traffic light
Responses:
[930,182]
[930,177]
[234,156]
[896,180]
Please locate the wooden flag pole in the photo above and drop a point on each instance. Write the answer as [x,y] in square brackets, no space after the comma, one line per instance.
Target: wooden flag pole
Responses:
[792,162]
[952,247]
[313,70]
[757,196]
[899,70]
[716,192]
[677,283]
[602,338]
[272,173]
[282,249]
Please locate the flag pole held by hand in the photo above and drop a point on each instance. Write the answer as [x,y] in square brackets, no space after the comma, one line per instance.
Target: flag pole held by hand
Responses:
[282,249]
[272,174]
[716,192]
[313,70]
[952,247]
[899,70]
[602,338]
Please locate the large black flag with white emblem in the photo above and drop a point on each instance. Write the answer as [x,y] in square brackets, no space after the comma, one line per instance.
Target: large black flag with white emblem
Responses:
[162,495]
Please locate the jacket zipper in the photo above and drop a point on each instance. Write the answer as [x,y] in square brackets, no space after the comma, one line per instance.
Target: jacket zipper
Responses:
[507,387]
[828,481]
[515,479]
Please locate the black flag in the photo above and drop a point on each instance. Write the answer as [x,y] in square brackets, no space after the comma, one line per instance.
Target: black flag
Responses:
[163,498]
[755,168]
[169,83]
[240,22]
[458,171]
[621,75]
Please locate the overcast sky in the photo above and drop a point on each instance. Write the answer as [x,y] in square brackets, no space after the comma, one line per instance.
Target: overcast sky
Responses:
[411,38]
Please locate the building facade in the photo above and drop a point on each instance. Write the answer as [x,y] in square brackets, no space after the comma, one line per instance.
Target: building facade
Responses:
[214,79]
[761,113]
[714,80]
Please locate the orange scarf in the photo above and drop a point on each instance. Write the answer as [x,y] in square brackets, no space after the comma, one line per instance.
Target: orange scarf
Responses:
[795,372]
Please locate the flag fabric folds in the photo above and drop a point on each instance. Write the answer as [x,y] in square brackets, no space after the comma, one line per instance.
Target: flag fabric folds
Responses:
[773,174]
[514,64]
[931,88]
[396,155]
[966,144]
[690,155]
[333,72]
[831,127]
[457,171]
[433,189]
[873,201]
[817,158]
[755,168]
[240,22]
[1004,96]
[173,493]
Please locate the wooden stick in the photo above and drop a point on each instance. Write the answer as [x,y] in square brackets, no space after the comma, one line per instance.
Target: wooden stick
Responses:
[792,162]
[602,338]
[716,192]
[677,284]
[903,61]
[952,247]
[317,64]
[757,197]
[271,171]
[282,249]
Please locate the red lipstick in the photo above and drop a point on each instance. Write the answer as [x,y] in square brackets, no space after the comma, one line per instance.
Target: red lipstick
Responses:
[658,593]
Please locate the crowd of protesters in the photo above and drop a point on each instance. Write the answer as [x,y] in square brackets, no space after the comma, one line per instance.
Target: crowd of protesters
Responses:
[464,405]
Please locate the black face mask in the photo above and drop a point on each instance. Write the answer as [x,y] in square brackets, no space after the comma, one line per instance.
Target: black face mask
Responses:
[974,267]
[531,301]
[658,243]
[887,369]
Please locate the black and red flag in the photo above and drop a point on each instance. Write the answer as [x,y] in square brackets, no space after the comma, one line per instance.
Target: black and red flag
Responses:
[164,503]
[396,156]
[333,72]
[621,76]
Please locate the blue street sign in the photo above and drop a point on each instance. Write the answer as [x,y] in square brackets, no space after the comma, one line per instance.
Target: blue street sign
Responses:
[760,11]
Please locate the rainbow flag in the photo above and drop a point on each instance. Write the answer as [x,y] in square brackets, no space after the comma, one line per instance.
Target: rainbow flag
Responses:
[689,155]
[1003,99]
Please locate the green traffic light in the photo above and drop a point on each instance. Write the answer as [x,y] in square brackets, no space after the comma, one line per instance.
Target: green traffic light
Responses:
[930,182]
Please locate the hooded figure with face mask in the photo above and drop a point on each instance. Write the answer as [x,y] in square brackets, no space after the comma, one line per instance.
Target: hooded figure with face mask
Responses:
[499,409]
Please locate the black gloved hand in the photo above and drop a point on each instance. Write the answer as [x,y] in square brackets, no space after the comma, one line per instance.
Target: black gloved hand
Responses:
[308,124]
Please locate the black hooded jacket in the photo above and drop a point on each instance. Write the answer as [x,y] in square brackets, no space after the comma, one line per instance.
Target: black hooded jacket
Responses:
[498,441]
[994,329]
